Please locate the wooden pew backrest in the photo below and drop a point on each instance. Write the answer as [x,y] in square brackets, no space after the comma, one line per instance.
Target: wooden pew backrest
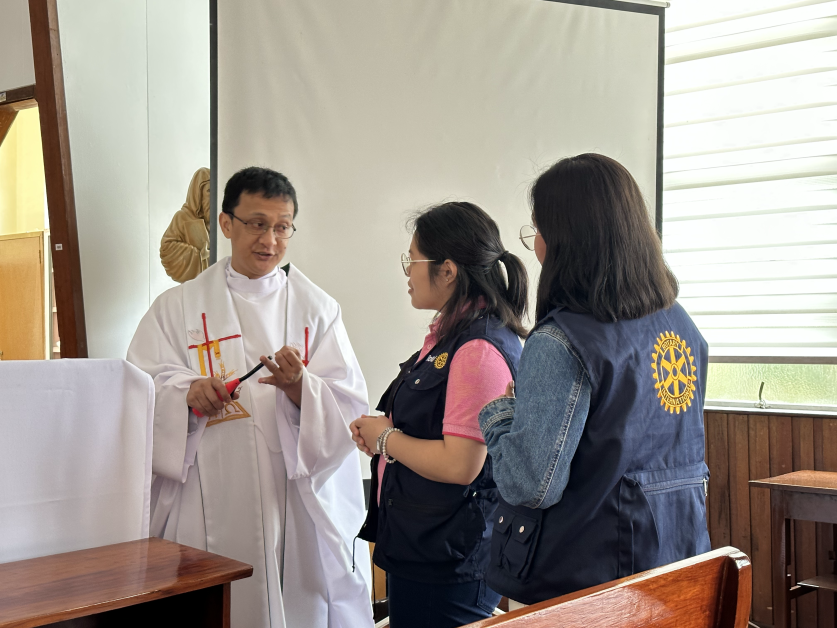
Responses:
[708,591]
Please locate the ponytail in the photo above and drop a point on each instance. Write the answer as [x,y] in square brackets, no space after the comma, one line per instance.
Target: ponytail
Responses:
[518,284]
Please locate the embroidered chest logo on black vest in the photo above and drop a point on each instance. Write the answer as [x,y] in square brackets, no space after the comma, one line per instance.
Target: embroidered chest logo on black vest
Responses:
[674,370]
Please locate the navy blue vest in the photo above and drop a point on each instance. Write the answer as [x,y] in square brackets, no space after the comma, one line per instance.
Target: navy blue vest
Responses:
[424,530]
[635,497]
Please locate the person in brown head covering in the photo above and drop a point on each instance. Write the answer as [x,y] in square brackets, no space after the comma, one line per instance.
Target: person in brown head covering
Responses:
[184,249]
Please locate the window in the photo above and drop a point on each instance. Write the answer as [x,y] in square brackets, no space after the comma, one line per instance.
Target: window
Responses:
[750,203]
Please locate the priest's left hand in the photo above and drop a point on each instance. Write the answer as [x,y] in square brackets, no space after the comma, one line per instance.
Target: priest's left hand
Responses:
[366,430]
[286,373]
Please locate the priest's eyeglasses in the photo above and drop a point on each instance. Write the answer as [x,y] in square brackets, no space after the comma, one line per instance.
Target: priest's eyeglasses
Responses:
[406,262]
[527,234]
[259,227]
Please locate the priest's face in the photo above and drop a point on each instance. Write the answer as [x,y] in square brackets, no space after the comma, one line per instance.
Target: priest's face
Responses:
[256,248]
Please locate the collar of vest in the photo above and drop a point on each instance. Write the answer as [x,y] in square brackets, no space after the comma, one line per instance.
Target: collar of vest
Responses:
[549,316]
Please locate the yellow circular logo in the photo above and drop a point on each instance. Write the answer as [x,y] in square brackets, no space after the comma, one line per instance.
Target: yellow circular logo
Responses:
[674,370]
[441,361]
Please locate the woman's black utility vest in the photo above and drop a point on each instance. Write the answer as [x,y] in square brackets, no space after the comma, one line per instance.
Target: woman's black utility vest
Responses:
[424,530]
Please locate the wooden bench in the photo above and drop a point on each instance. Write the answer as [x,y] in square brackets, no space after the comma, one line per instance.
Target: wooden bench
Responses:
[709,591]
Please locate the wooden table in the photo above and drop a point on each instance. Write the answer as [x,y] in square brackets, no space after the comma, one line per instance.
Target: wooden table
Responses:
[805,495]
[149,582]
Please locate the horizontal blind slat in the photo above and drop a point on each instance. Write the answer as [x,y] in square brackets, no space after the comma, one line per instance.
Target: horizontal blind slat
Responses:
[772,17]
[753,40]
[750,173]
[751,66]
[685,15]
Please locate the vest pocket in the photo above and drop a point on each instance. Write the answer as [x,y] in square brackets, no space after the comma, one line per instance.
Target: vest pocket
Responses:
[662,517]
[514,541]
[430,533]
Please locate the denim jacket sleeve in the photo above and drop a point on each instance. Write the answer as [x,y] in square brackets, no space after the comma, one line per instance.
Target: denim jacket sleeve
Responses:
[532,438]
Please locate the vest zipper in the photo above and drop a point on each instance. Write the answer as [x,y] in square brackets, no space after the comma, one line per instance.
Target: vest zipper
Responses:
[671,485]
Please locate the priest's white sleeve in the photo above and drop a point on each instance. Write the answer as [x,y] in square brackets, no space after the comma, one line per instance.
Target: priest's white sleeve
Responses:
[315,438]
[154,349]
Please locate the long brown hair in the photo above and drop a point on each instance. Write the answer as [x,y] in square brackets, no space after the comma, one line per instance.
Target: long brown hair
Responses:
[469,237]
[603,256]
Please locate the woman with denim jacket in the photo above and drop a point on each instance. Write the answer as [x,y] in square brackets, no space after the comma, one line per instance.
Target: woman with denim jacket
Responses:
[431,507]
[599,458]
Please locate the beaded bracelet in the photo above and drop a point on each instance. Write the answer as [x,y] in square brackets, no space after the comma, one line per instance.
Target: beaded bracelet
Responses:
[382,443]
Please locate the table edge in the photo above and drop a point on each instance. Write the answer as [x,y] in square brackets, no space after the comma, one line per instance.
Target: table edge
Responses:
[792,488]
[124,602]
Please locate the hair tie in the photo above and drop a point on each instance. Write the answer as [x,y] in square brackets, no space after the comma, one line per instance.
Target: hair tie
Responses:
[502,258]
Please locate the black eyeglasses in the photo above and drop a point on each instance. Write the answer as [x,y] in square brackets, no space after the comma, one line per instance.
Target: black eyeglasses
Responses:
[260,227]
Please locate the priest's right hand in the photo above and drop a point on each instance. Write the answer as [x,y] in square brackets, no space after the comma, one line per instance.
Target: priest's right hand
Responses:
[209,396]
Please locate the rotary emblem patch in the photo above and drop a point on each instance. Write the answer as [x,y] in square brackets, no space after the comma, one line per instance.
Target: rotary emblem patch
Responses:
[674,370]
[441,361]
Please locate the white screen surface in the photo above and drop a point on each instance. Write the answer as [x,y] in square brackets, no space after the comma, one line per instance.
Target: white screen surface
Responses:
[375,108]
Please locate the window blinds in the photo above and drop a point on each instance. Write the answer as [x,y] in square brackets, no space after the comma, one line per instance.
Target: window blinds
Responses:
[750,202]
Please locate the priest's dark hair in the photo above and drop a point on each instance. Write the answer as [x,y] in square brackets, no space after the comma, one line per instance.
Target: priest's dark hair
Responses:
[466,235]
[603,256]
[256,180]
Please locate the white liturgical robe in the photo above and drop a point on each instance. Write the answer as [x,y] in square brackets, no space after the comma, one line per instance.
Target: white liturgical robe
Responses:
[264,482]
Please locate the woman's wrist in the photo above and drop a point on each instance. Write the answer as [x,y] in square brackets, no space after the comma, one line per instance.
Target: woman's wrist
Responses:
[382,444]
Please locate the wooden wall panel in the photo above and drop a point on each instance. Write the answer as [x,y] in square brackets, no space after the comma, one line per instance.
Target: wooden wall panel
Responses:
[739,489]
[805,532]
[825,459]
[781,445]
[781,462]
[760,520]
[758,446]
[717,459]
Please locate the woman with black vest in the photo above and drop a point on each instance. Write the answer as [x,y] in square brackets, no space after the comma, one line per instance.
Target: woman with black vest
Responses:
[433,497]
[600,457]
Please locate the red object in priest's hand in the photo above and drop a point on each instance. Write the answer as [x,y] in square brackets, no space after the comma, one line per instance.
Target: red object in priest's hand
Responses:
[231,386]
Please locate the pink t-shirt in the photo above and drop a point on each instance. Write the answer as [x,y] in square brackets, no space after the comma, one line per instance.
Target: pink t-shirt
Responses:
[478,374]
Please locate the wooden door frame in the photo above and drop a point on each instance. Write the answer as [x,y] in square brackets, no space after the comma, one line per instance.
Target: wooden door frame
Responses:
[58,174]
[17,98]
[12,101]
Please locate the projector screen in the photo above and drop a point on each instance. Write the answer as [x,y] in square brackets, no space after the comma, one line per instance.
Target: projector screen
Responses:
[377,108]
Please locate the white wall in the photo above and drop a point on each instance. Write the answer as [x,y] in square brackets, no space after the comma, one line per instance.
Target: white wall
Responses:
[178,115]
[103,46]
[374,108]
[137,86]
[16,68]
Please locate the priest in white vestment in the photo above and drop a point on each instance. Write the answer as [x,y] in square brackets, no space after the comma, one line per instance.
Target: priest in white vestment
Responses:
[268,475]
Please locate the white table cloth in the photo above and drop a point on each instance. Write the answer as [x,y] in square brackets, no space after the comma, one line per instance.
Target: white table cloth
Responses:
[75,455]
